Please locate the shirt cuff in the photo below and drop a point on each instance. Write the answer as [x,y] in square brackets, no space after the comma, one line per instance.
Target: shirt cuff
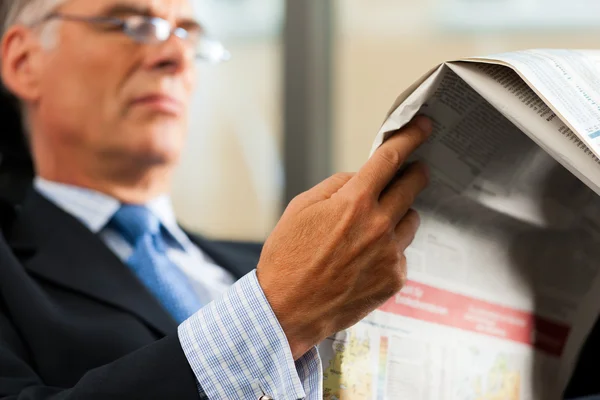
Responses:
[310,372]
[238,350]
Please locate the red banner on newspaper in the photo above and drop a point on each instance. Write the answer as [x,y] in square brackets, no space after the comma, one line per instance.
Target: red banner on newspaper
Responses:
[430,304]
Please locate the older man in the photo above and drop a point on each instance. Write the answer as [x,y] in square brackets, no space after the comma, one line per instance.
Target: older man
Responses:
[102,295]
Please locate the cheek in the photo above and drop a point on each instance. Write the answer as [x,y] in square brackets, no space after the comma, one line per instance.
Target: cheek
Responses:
[80,107]
[63,104]
[81,89]
[92,67]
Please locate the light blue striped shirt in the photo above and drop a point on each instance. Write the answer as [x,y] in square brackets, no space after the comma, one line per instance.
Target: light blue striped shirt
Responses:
[235,345]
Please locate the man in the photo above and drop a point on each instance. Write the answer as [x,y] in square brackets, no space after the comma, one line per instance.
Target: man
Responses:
[102,295]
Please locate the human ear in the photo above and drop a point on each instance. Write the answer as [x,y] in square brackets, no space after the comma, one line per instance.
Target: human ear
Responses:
[21,60]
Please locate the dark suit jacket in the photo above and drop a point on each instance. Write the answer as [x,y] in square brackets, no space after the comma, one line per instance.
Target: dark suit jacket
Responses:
[75,323]
[586,376]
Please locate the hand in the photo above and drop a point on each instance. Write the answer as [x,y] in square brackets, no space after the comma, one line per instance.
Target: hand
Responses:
[338,251]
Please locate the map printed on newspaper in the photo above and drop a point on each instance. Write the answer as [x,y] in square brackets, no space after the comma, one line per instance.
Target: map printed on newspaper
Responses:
[504,278]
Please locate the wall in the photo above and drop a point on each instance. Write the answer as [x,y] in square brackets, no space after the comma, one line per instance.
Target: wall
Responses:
[383,46]
[229,182]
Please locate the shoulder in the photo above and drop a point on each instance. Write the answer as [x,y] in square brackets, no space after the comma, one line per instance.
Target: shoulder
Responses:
[8,214]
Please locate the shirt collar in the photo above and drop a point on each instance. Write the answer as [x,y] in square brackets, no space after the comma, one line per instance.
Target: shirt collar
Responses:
[163,209]
[95,209]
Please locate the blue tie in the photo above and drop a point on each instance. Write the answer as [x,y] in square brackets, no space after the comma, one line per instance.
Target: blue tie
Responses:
[150,263]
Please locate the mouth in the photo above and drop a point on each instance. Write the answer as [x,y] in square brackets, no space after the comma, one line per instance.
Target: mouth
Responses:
[160,103]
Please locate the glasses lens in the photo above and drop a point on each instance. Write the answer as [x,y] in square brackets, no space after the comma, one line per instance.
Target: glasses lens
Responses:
[181,33]
[154,30]
[148,30]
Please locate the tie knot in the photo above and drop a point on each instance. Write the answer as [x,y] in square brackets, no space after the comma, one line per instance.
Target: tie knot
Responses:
[134,222]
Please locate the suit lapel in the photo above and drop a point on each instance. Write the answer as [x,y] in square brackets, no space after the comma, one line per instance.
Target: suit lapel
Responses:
[56,247]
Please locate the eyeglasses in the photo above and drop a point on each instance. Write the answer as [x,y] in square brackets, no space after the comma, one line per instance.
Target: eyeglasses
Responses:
[153,30]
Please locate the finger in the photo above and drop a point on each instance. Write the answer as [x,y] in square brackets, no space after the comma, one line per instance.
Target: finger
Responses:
[328,187]
[381,168]
[407,229]
[402,273]
[399,197]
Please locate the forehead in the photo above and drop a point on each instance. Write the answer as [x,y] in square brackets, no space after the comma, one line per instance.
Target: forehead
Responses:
[160,8]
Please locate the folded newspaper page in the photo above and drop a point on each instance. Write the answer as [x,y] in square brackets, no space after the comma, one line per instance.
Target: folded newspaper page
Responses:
[504,274]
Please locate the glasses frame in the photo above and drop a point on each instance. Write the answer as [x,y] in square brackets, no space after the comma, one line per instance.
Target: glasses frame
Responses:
[214,52]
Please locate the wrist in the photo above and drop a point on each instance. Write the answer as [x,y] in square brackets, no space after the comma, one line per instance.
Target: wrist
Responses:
[300,343]
[302,329]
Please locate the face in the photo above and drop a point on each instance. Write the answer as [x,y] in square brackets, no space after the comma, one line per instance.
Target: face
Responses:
[106,96]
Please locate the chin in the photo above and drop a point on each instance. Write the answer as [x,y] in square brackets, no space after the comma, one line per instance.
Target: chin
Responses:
[159,153]
[161,147]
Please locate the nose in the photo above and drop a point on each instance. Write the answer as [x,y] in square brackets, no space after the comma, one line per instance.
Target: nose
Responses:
[172,56]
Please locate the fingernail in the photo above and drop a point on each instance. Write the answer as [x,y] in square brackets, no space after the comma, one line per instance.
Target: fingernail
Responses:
[424,124]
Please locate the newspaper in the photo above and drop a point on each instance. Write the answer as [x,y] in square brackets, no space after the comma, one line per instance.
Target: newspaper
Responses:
[504,274]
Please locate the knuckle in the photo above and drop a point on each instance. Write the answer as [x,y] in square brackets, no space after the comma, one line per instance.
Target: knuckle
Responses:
[391,257]
[343,176]
[416,135]
[297,201]
[360,199]
[402,272]
[405,196]
[396,285]
[382,225]
[400,276]
[406,231]
[414,219]
[411,239]
[355,206]
[419,174]
[397,256]
[391,156]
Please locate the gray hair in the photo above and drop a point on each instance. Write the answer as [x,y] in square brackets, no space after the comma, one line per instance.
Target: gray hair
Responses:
[25,12]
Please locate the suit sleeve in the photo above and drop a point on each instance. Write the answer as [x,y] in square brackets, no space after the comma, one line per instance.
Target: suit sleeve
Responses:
[158,371]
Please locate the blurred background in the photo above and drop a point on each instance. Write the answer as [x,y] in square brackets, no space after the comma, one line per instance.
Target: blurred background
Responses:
[310,82]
